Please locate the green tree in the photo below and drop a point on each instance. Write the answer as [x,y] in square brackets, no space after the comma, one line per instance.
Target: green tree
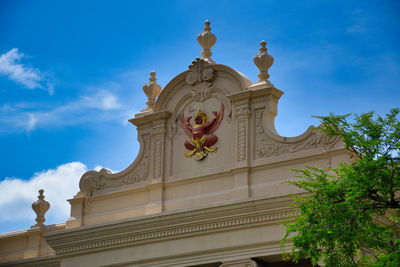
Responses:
[349,216]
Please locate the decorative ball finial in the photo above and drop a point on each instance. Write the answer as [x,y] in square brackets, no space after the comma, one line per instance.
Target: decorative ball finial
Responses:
[40,207]
[263,61]
[206,39]
[152,91]
[207,26]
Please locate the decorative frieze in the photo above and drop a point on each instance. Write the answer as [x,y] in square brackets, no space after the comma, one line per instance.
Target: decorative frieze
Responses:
[154,229]
[173,232]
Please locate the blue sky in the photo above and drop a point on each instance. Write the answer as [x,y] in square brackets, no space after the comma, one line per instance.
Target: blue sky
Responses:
[71,75]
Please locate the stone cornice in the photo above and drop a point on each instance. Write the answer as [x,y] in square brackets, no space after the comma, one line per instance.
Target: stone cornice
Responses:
[170,225]
[150,117]
[45,261]
[256,94]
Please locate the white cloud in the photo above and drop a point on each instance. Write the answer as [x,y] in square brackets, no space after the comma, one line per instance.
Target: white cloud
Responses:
[60,184]
[30,116]
[103,100]
[29,77]
[31,122]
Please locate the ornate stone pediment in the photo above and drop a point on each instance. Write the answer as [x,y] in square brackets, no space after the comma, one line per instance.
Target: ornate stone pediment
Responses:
[207,137]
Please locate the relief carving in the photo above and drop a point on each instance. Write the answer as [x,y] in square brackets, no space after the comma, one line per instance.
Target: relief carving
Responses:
[267,147]
[200,71]
[242,115]
[93,181]
[242,137]
[200,134]
[157,158]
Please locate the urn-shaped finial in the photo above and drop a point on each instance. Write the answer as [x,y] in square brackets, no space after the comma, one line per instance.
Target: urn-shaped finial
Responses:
[40,207]
[207,39]
[152,90]
[263,62]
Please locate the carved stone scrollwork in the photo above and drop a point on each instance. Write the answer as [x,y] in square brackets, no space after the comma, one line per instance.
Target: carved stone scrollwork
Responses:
[259,128]
[93,181]
[158,135]
[159,131]
[242,115]
[267,147]
[242,112]
[242,140]
[200,71]
[157,158]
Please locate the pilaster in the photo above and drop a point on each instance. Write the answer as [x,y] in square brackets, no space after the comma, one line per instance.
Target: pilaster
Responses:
[242,112]
[159,129]
[77,206]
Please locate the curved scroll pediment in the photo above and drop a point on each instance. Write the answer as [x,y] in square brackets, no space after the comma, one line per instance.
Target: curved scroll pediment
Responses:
[220,73]
[137,172]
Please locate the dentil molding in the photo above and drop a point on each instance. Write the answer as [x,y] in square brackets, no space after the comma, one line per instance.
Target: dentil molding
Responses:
[171,225]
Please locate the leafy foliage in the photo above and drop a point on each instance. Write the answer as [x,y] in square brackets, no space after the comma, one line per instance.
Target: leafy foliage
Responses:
[342,218]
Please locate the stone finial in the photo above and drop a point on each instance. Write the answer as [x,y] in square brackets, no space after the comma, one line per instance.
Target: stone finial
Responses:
[263,62]
[40,207]
[152,89]
[206,39]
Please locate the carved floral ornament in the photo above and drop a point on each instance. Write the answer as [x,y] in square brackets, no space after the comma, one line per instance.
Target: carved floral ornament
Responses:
[200,71]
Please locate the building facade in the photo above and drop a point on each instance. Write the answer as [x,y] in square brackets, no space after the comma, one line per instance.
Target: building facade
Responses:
[206,189]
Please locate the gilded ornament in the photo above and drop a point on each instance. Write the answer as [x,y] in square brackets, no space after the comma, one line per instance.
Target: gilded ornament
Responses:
[200,135]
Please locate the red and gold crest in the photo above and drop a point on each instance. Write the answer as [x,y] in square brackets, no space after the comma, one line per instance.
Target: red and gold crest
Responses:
[200,135]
